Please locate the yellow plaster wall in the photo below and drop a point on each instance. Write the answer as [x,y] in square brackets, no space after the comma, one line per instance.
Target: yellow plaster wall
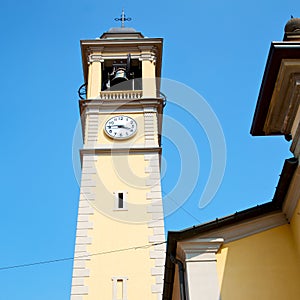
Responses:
[295,225]
[94,80]
[124,172]
[135,264]
[112,230]
[149,83]
[262,266]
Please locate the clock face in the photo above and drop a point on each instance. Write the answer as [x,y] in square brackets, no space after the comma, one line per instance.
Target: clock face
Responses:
[120,127]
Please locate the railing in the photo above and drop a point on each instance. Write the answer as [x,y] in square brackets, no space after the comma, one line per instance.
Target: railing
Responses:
[120,95]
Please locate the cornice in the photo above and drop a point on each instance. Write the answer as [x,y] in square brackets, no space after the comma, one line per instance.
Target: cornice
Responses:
[195,250]
[142,49]
[295,146]
[278,52]
[285,99]
[98,43]
[143,104]
[120,150]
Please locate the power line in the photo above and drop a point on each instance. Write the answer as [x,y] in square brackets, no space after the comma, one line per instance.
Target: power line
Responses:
[180,206]
[80,256]
[99,253]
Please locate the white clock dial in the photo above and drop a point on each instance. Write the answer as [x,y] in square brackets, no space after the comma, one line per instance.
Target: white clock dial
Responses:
[120,127]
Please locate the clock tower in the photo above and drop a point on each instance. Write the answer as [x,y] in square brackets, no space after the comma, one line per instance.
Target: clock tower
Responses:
[120,250]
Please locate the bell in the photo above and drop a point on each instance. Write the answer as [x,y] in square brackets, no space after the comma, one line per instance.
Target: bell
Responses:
[119,77]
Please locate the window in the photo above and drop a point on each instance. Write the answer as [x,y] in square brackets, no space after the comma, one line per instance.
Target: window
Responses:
[120,200]
[119,288]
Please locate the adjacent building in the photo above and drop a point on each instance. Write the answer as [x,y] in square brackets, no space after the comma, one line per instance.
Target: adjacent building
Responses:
[255,253]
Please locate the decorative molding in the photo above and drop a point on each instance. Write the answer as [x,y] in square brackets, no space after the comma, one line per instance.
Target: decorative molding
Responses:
[120,144]
[148,53]
[114,52]
[95,58]
[97,44]
[114,56]
[295,146]
[285,99]
[120,95]
[120,150]
[199,249]
[147,57]
[199,256]
[117,105]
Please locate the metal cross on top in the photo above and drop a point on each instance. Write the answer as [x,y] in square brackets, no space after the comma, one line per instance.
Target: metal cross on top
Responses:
[123,19]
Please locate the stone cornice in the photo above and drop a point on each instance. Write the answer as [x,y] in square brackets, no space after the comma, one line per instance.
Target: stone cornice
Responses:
[295,146]
[285,99]
[279,54]
[99,43]
[114,149]
[142,104]
[98,49]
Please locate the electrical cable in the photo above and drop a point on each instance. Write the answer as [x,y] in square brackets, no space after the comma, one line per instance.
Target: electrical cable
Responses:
[99,253]
[80,256]
[180,206]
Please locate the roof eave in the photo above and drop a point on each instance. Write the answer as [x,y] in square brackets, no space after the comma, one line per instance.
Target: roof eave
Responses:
[278,52]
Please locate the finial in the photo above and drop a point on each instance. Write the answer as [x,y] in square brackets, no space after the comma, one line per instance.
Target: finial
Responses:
[123,19]
[293,25]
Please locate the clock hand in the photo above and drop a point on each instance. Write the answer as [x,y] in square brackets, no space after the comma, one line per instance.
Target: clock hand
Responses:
[118,126]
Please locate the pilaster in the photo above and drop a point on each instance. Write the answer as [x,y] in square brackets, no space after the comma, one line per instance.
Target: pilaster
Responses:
[94,75]
[199,257]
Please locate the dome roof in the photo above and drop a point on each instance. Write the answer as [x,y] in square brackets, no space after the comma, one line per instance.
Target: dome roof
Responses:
[121,33]
[121,30]
[292,25]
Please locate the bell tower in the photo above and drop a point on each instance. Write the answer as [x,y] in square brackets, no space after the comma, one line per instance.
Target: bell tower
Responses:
[120,250]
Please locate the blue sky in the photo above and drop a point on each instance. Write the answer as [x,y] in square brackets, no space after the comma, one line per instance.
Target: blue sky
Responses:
[218,49]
